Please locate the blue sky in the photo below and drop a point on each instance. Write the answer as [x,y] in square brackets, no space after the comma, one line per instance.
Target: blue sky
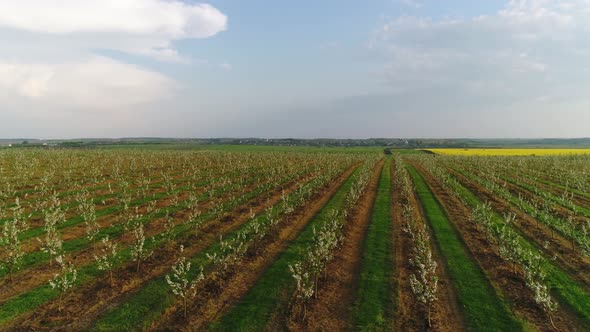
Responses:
[383,68]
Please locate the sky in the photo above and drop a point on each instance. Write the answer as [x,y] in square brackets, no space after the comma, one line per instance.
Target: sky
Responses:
[303,69]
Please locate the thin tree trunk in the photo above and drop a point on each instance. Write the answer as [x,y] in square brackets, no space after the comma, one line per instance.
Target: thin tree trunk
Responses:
[552,323]
[429,323]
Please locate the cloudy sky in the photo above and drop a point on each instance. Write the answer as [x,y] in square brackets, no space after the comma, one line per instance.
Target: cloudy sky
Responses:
[309,68]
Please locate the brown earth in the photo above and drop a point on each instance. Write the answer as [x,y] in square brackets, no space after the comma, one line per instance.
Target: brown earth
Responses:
[331,310]
[577,199]
[550,179]
[214,301]
[554,247]
[37,221]
[558,210]
[509,284]
[39,274]
[80,304]
[27,279]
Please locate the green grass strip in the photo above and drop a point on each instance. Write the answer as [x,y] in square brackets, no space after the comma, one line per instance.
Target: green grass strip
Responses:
[569,292]
[256,308]
[147,305]
[115,230]
[552,222]
[373,310]
[482,308]
[554,184]
[28,301]
[557,200]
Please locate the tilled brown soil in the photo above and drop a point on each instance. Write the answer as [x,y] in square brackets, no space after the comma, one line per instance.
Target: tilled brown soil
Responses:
[554,247]
[37,275]
[213,301]
[411,315]
[511,285]
[331,310]
[548,178]
[81,308]
[37,221]
[577,199]
[559,210]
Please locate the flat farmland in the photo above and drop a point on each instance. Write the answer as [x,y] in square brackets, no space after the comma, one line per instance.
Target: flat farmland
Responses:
[271,239]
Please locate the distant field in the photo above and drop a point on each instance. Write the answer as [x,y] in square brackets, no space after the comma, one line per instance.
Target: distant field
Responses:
[509,152]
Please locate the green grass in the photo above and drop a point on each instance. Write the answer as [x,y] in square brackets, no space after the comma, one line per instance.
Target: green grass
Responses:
[256,308]
[147,305]
[30,300]
[114,231]
[556,200]
[373,310]
[556,185]
[482,308]
[569,292]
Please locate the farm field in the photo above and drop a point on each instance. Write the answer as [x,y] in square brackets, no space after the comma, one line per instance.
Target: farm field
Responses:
[235,238]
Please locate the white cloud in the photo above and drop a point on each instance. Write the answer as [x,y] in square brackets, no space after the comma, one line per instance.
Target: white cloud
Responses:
[144,27]
[94,83]
[529,49]
[52,58]
[174,19]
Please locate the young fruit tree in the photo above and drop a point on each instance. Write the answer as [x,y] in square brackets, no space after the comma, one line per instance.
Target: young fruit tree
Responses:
[52,243]
[107,258]
[64,279]
[425,285]
[138,251]
[424,282]
[88,212]
[10,243]
[305,285]
[168,227]
[180,283]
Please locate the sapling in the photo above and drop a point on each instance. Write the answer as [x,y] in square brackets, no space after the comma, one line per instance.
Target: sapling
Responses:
[11,245]
[424,282]
[87,210]
[107,258]
[64,279]
[138,251]
[168,227]
[179,281]
[305,285]
[52,243]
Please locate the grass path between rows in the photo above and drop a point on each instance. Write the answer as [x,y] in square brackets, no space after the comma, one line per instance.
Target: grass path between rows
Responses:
[374,309]
[146,305]
[30,300]
[569,292]
[482,308]
[254,311]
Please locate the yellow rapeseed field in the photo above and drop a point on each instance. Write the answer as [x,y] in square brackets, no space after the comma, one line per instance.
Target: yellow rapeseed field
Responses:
[509,152]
